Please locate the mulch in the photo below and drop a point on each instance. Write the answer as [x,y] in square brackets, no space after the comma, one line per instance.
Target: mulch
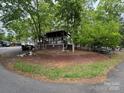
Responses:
[64,59]
[59,60]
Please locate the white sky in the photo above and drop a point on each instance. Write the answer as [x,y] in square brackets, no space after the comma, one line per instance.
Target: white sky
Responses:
[96,4]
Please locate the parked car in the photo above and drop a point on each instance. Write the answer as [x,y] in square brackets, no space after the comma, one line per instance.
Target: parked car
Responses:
[0,43]
[5,43]
[27,46]
[103,50]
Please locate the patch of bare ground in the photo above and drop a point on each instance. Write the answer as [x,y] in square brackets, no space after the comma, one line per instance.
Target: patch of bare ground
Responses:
[61,59]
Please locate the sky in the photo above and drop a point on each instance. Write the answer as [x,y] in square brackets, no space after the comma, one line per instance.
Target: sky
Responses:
[1,25]
[96,4]
[0,22]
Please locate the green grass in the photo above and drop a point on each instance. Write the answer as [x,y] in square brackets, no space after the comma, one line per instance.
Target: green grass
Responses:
[90,70]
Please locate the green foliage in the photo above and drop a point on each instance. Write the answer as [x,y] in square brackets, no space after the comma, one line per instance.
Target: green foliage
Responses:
[21,28]
[100,34]
[2,36]
[70,12]
[87,26]
[37,13]
[101,27]
[90,70]
[10,37]
[110,9]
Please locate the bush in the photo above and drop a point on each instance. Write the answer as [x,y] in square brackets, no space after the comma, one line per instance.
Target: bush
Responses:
[99,34]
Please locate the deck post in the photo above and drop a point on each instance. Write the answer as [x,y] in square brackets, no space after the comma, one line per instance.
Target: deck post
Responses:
[73,47]
[63,49]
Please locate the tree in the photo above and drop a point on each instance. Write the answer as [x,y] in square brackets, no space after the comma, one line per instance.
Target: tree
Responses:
[70,13]
[100,27]
[100,34]
[36,11]
[21,29]
[87,25]
[2,34]
[109,11]
[10,37]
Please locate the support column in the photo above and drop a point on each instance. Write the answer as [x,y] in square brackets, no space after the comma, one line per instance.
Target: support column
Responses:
[73,47]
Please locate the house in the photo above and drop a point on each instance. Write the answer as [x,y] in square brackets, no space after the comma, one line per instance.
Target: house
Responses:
[59,40]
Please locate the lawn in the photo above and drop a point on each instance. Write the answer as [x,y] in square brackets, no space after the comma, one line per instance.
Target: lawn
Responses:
[79,71]
[93,70]
[76,71]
